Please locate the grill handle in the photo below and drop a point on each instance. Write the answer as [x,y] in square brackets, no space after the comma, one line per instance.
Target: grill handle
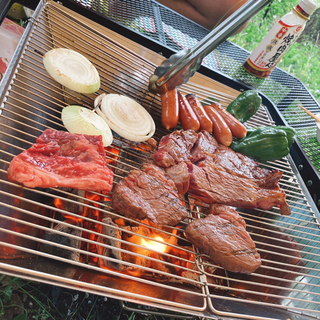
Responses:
[5,6]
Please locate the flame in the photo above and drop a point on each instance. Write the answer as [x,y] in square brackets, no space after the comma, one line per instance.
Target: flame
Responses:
[112,155]
[154,245]
[59,204]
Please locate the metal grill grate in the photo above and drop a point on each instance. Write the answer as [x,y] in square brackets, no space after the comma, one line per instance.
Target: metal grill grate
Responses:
[40,240]
[162,25]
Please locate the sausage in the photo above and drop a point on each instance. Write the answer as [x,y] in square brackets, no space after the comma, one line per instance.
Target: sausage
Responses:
[221,131]
[170,109]
[187,117]
[205,122]
[237,128]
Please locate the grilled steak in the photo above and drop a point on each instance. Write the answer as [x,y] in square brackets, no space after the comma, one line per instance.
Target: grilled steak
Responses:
[217,173]
[179,174]
[174,148]
[148,194]
[211,183]
[205,145]
[222,235]
[62,159]
[242,166]
[180,146]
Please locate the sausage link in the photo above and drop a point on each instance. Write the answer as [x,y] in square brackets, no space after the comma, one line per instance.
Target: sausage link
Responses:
[187,117]
[170,109]
[205,122]
[237,128]
[221,131]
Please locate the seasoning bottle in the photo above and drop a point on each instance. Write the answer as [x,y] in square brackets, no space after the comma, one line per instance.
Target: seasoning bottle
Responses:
[283,34]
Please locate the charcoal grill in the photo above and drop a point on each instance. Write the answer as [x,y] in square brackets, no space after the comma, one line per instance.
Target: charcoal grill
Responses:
[75,239]
[162,30]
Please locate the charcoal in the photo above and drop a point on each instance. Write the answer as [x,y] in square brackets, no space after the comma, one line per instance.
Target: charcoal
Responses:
[78,205]
[63,239]
[109,228]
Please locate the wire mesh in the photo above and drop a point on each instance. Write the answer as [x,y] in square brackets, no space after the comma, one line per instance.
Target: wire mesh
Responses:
[162,25]
[62,228]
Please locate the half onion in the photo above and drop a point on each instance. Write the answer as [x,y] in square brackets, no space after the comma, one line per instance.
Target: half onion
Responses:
[81,120]
[125,116]
[72,70]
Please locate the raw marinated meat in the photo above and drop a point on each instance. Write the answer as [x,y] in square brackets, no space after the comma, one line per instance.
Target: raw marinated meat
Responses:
[148,194]
[62,159]
[222,235]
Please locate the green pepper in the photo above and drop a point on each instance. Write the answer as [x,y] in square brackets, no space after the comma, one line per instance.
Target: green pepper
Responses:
[265,143]
[245,105]
[289,130]
[290,134]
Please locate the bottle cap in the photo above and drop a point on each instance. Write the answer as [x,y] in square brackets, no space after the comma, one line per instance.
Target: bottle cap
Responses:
[307,6]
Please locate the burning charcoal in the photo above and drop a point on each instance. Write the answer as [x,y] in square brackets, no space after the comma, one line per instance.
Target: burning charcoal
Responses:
[110,229]
[75,207]
[151,249]
[135,239]
[134,245]
[63,239]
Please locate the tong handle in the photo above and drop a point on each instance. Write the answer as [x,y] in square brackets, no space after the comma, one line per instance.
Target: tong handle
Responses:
[189,63]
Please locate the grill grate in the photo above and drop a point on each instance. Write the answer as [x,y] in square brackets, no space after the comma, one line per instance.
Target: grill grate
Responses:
[162,25]
[42,240]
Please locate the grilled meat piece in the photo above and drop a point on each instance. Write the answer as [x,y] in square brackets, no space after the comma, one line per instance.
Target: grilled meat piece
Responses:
[148,194]
[242,166]
[205,145]
[218,174]
[222,235]
[211,183]
[181,146]
[62,159]
[179,174]
[174,148]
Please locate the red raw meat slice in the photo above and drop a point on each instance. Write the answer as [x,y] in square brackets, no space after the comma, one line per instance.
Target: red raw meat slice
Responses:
[223,236]
[62,159]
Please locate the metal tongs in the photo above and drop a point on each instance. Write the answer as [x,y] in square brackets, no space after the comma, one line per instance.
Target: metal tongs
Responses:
[182,65]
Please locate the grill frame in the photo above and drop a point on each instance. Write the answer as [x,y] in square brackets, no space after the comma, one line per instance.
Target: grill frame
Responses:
[284,90]
[202,309]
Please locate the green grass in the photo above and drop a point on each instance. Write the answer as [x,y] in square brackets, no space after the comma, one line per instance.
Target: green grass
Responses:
[302,59]
[28,300]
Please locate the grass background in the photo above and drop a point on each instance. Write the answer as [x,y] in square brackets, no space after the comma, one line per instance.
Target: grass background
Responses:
[23,300]
[302,59]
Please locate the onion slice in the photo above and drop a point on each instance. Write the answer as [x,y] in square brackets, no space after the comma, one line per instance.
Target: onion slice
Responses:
[81,120]
[72,70]
[125,116]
